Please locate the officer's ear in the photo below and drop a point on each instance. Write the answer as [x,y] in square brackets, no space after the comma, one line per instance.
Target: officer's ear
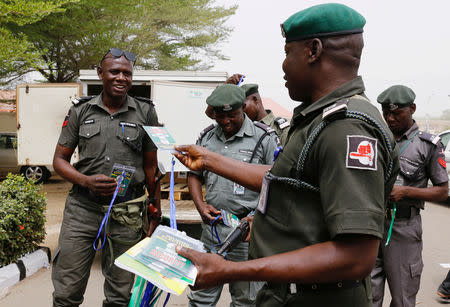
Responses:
[412,108]
[100,72]
[315,50]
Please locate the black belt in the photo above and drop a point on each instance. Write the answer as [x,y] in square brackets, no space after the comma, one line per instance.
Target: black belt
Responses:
[347,284]
[403,212]
[131,193]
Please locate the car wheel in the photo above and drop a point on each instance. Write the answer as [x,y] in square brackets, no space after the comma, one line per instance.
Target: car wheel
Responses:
[38,173]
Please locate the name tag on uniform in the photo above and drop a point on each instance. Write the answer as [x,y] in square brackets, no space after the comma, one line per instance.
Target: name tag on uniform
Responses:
[238,189]
[262,202]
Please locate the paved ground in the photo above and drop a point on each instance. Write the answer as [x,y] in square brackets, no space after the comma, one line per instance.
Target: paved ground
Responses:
[36,290]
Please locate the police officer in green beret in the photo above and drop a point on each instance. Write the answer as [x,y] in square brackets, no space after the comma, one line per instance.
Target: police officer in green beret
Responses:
[107,129]
[320,217]
[237,137]
[254,108]
[422,158]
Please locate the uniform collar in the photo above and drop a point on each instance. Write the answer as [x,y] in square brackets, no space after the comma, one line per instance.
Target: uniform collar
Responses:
[247,128]
[129,103]
[349,89]
[268,119]
[409,132]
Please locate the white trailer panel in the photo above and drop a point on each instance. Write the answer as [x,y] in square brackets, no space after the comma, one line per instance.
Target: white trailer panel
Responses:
[41,109]
[181,108]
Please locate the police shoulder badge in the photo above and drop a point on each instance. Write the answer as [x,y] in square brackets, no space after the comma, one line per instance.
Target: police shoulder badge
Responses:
[361,152]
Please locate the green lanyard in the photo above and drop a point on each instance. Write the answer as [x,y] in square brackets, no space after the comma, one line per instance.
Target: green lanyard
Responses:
[392,224]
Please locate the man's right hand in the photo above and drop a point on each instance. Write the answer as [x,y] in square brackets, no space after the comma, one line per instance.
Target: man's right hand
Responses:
[234,79]
[192,156]
[101,185]
[208,213]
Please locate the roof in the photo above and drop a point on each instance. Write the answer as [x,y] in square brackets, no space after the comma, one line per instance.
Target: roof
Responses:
[7,95]
[276,109]
[174,75]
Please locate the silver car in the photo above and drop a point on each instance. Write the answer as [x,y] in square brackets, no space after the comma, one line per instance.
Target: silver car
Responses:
[8,160]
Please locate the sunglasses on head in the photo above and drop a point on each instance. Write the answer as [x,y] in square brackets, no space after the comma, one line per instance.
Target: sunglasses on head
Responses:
[117,53]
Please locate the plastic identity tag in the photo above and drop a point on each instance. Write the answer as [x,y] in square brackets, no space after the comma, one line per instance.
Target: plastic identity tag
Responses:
[262,202]
[128,172]
[229,219]
[238,189]
[160,137]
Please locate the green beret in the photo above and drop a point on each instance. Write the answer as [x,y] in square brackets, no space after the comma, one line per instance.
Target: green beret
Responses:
[397,96]
[322,20]
[250,89]
[226,97]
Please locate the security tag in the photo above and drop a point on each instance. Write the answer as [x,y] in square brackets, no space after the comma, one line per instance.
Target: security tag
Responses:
[238,189]
[262,202]
[127,171]
[229,219]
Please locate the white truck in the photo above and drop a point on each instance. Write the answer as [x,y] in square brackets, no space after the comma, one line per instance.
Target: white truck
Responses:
[179,98]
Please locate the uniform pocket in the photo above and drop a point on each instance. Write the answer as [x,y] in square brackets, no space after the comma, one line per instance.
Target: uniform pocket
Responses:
[89,134]
[130,134]
[411,170]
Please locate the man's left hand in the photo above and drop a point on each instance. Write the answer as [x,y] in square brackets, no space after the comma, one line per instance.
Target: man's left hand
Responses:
[209,267]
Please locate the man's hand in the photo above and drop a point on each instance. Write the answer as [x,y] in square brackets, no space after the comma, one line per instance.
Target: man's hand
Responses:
[398,193]
[192,156]
[100,184]
[234,79]
[209,267]
[208,213]
[250,222]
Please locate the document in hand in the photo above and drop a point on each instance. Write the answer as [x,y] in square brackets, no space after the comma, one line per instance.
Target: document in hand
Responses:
[160,137]
[156,260]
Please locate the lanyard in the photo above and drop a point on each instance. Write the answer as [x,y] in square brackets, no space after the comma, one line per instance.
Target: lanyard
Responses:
[408,142]
[152,293]
[106,217]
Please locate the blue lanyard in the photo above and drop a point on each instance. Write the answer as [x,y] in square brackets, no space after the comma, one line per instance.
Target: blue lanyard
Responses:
[106,217]
[173,218]
[214,229]
[152,294]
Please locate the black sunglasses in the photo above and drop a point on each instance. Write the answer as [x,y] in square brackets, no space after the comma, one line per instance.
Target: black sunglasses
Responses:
[117,53]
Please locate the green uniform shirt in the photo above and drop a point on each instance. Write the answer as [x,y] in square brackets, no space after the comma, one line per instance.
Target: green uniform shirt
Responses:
[102,140]
[223,193]
[270,120]
[352,196]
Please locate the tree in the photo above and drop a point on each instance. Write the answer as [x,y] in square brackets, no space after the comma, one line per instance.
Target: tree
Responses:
[165,34]
[15,50]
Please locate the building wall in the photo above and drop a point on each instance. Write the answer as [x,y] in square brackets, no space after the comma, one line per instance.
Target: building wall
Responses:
[8,122]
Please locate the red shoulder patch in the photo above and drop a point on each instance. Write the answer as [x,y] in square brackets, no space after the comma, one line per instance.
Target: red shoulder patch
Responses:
[442,162]
[66,119]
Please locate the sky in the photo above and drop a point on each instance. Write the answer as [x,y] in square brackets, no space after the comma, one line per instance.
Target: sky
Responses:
[406,42]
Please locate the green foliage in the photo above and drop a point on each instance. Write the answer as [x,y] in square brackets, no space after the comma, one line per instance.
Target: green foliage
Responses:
[17,55]
[164,34]
[22,218]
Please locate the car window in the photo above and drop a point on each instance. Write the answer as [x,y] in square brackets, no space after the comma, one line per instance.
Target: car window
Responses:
[445,138]
[8,142]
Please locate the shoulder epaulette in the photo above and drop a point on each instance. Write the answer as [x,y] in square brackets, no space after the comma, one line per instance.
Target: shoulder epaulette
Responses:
[264,127]
[282,122]
[205,131]
[145,99]
[434,139]
[267,131]
[337,108]
[80,100]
